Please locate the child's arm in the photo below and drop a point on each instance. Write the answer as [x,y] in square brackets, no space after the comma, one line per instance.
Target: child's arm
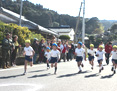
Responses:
[32,54]
[24,53]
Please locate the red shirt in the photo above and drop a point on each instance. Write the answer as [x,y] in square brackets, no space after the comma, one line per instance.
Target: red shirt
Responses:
[108,48]
[64,49]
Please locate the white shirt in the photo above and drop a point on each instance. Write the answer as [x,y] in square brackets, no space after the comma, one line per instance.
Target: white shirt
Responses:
[55,53]
[29,51]
[80,52]
[100,54]
[92,52]
[114,54]
[47,55]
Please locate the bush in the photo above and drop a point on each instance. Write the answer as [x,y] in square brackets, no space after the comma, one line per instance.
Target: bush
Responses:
[22,32]
[64,37]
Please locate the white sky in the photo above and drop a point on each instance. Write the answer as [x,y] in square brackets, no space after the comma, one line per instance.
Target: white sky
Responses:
[103,9]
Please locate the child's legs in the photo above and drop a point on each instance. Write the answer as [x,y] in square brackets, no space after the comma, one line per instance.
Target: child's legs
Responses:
[55,67]
[25,66]
[52,65]
[92,62]
[56,64]
[79,63]
[31,64]
[100,64]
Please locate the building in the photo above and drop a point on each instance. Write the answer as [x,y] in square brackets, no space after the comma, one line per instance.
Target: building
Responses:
[64,31]
[8,16]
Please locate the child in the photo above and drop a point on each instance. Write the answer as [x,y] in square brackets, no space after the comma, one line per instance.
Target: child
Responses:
[99,55]
[55,56]
[91,53]
[47,55]
[114,58]
[79,52]
[28,53]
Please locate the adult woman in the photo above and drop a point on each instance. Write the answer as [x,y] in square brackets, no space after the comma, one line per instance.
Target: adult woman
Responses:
[14,53]
[41,50]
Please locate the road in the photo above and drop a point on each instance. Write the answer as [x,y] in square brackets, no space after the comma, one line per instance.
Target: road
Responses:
[66,79]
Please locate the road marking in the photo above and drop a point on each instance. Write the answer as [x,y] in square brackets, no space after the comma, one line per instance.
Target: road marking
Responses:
[33,87]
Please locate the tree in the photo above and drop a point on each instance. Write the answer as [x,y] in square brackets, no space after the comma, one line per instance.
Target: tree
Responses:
[64,37]
[94,26]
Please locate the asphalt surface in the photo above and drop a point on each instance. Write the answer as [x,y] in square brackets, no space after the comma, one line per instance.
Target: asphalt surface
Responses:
[67,78]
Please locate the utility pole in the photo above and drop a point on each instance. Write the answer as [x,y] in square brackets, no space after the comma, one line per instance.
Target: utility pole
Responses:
[77,23]
[21,5]
[83,23]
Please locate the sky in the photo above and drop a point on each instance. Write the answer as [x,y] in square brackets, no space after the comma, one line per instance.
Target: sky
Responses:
[103,9]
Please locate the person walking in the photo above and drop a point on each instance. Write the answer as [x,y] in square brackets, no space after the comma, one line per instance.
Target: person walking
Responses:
[108,49]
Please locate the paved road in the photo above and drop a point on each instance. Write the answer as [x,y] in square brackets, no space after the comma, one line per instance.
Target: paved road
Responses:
[67,78]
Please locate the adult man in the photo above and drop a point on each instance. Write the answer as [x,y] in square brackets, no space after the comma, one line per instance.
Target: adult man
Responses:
[63,51]
[6,44]
[108,49]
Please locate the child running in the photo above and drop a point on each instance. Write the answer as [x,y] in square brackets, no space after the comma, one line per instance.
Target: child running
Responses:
[114,58]
[91,53]
[47,55]
[99,55]
[55,56]
[28,53]
[79,52]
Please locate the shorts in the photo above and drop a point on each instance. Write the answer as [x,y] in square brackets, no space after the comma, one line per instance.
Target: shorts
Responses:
[79,58]
[114,60]
[91,58]
[28,58]
[100,61]
[53,60]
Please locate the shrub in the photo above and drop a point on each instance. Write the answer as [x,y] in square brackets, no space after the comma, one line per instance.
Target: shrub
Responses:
[22,32]
[64,37]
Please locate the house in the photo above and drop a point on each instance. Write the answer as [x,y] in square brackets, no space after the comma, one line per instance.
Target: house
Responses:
[64,31]
[8,16]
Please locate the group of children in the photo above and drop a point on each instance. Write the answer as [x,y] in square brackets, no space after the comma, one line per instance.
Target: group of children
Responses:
[54,55]
[51,56]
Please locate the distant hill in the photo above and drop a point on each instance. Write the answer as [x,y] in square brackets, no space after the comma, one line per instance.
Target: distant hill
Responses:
[49,18]
[107,23]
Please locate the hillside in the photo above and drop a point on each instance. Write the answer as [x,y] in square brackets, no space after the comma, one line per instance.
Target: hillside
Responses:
[108,23]
[49,18]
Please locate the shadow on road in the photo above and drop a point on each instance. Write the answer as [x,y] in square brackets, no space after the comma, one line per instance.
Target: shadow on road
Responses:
[37,71]
[107,76]
[73,74]
[92,75]
[14,76]
[43,75]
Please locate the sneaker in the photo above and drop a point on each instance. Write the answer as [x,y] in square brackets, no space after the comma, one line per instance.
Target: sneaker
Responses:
[92,68]
[80,71]
[48,68]
[82,65]
[24,73]
[112,69]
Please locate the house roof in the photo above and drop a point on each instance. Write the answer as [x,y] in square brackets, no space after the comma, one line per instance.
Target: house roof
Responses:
[8,16]
[61,30]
